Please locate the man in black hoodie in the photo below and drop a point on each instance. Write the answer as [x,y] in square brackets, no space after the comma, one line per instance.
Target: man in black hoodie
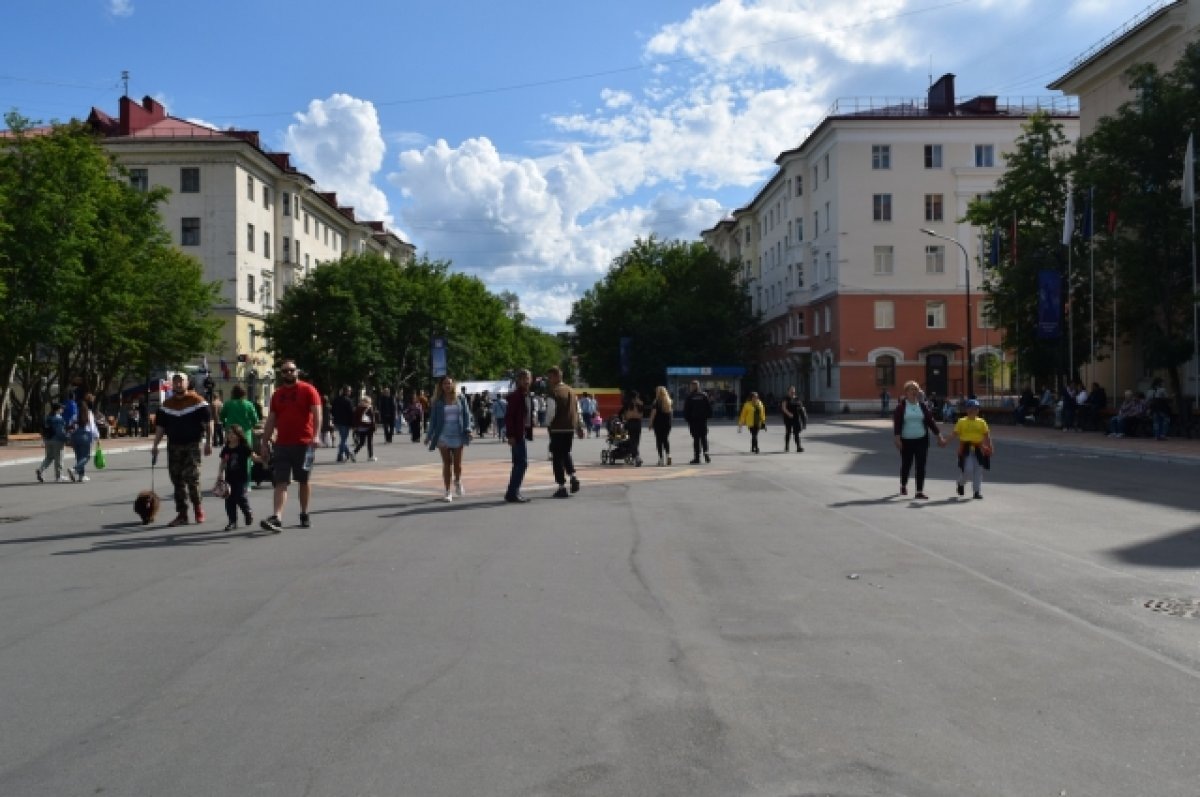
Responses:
[387,413]
[697,409]
[343,418]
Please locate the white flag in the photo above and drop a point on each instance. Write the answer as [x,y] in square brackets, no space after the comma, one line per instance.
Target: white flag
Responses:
[1069,219]
[1188,198]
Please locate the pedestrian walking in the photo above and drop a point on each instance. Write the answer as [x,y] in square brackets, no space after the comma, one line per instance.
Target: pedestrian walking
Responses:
[754,418]
[84,433]
[587,409]
[885,403]
[234,470]
[518,430]
[795,419]
[912,421]
[414,416]
[499,410]
[660,424]
[387,408]
[54,438]
[185,419]
[564,424]
[327,430]
[974,448]
[293,421]
[364,428]
[242,412]
[343,421]
[632,412]
[697,409]
[450,433]
[218,403]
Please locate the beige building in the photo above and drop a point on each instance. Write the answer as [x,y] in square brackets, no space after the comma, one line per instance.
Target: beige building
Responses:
[854,297]
[257,224]
[1159,36]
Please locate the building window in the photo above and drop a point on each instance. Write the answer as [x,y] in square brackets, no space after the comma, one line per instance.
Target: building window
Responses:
[266,244]
[250,237]
[985,155]
[827,215]
[935,315]
[987,368]
[189,180]
[799,185]
[139,180]
[881,207]
[885,370]
[829,372]
[933,207]
[987,319]
[747,235]
[816,177]
[935,260]
[884,260]
[800,325]
[266,197]
[825,163]
[933,156]
[306,224]
[297,250]
[828,319]
[190,232]
[816,222]
[296,200]
[250,187]
[881,156]
[287,248]
[306,261]
[251,296]
[885,315]
[828,271]
[799,228]
[286,202]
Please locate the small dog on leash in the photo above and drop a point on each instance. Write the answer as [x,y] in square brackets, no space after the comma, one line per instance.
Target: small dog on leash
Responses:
[146,506]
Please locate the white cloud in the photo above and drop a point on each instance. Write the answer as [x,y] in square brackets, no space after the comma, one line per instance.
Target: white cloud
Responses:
[338,141]
[120,8]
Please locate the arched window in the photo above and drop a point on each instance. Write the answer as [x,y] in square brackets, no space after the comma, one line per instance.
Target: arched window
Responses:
[885,371]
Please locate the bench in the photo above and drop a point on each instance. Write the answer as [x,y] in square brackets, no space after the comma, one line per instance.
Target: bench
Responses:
[23,438]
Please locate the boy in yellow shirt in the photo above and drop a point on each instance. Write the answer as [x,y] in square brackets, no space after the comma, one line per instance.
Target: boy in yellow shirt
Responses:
[974,448]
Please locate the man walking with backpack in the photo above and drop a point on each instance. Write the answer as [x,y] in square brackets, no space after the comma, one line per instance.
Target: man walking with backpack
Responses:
[54,437]
[697,409]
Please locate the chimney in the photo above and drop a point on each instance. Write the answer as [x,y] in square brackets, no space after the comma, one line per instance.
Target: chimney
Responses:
[941,96]
[136,117]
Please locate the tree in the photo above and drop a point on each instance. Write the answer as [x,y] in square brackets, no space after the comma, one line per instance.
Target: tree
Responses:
[1032,191]
[678,303]
[1135,160]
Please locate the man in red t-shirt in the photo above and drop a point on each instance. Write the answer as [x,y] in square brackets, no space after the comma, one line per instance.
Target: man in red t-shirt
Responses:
[293,419]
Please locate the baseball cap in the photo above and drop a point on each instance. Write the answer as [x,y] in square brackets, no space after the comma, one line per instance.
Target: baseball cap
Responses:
[972,403]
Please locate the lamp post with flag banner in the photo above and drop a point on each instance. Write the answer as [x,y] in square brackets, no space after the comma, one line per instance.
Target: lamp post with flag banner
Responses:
[967,264]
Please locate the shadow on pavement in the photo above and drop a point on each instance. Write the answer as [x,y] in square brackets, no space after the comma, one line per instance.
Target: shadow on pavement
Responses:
[167,541]
[1180,550]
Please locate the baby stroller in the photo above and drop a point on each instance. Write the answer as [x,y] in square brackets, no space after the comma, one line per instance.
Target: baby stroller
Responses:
[619,448]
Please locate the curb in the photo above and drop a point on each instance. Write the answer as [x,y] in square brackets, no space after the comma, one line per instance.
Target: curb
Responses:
[37,460]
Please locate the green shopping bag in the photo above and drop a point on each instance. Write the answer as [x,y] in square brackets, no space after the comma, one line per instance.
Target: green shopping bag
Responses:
[99,461]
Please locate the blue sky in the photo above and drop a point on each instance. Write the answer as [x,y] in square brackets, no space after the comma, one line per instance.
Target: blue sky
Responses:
[530,142]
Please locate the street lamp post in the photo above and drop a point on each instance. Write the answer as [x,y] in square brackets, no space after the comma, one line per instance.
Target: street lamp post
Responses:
[967,262]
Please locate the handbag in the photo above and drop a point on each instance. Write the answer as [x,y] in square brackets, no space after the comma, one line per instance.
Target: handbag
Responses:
[221,489]
[99,459]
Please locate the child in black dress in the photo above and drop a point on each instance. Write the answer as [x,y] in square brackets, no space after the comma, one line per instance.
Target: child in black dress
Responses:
[234,470]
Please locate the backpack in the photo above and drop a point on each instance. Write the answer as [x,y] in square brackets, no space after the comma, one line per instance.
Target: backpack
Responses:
[47,429]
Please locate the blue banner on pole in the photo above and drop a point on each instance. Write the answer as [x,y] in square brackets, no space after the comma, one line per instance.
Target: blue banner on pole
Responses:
[437,356]
[1049,325]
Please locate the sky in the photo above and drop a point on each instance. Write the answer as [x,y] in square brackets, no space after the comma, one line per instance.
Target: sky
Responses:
[531,142]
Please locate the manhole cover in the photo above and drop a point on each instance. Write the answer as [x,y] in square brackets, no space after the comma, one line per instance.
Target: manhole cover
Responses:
[1176,607]
[13,519]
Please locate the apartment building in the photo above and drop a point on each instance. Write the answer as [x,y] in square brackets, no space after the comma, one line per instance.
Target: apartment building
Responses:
[1158,35]
[257,223]
[854,297]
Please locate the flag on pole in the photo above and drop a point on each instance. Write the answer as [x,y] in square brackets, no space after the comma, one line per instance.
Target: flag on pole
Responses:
[1069,219]
[1086,232]
[1188,196]
[224,369]
[994,252]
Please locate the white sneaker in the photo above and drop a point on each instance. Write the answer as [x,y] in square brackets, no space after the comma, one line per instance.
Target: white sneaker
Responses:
[448,497]
[374,459]
[62,479]
[458,489]
[85,478]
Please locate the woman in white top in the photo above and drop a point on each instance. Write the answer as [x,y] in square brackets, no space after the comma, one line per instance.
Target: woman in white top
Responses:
[84,432]
[911,423]
[450,432]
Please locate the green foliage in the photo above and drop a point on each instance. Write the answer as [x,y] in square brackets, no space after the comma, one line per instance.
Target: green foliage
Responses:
[363,320]
[1033,191]
[87,272]
[678,302]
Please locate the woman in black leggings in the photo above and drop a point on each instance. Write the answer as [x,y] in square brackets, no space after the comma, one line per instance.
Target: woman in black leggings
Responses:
[660,422]
[631,413]
[911,423]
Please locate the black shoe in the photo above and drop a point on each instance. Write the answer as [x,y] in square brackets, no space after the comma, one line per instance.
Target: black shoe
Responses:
[960,489]
[978,495]
[694,462]
[304,524]
[272,524]
[707,458]
[38,473]
[249,518]
[799,449]
[574,485]
[231,525]
[921,497]
[516,499]
[903,490]
[561,492]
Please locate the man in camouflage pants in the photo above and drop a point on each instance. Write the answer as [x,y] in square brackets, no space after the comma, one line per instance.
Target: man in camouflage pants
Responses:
[185,419]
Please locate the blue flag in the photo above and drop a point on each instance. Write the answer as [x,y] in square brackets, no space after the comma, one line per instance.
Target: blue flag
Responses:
[1087,216]
[1049,311]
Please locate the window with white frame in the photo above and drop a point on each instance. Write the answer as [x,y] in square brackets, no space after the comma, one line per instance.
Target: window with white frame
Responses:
[935,315]
[286,203]
[139,180]
[825,163]
[987,315]
[266,197]
[266,244]
[827,215]
[799,185]
[251,294]
[189,180]
[250,187]
[189,232]
[935,259]
[881,156]
[933,156]
[884,260]
[816,222]
[885,370]
[800,325]
[287,248]
[828,319]
[881,207]
[828,266]
[985,155]
[250,237]
[885,314]
[799,228]
[933,207]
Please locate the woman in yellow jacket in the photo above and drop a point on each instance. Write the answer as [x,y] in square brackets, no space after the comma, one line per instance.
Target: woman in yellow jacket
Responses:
[754,418]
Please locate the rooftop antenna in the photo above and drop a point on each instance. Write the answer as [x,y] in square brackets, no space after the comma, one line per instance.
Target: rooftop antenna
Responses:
[931,69]
[125,80]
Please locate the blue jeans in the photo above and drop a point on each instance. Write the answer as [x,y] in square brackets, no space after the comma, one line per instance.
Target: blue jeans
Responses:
[81,441]
[1162,422]
[343,448]
[520,462]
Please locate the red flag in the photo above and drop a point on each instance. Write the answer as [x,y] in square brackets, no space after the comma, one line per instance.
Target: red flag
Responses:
[1112,221]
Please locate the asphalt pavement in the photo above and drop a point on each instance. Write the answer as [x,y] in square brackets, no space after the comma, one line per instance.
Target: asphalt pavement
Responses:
[769,625]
